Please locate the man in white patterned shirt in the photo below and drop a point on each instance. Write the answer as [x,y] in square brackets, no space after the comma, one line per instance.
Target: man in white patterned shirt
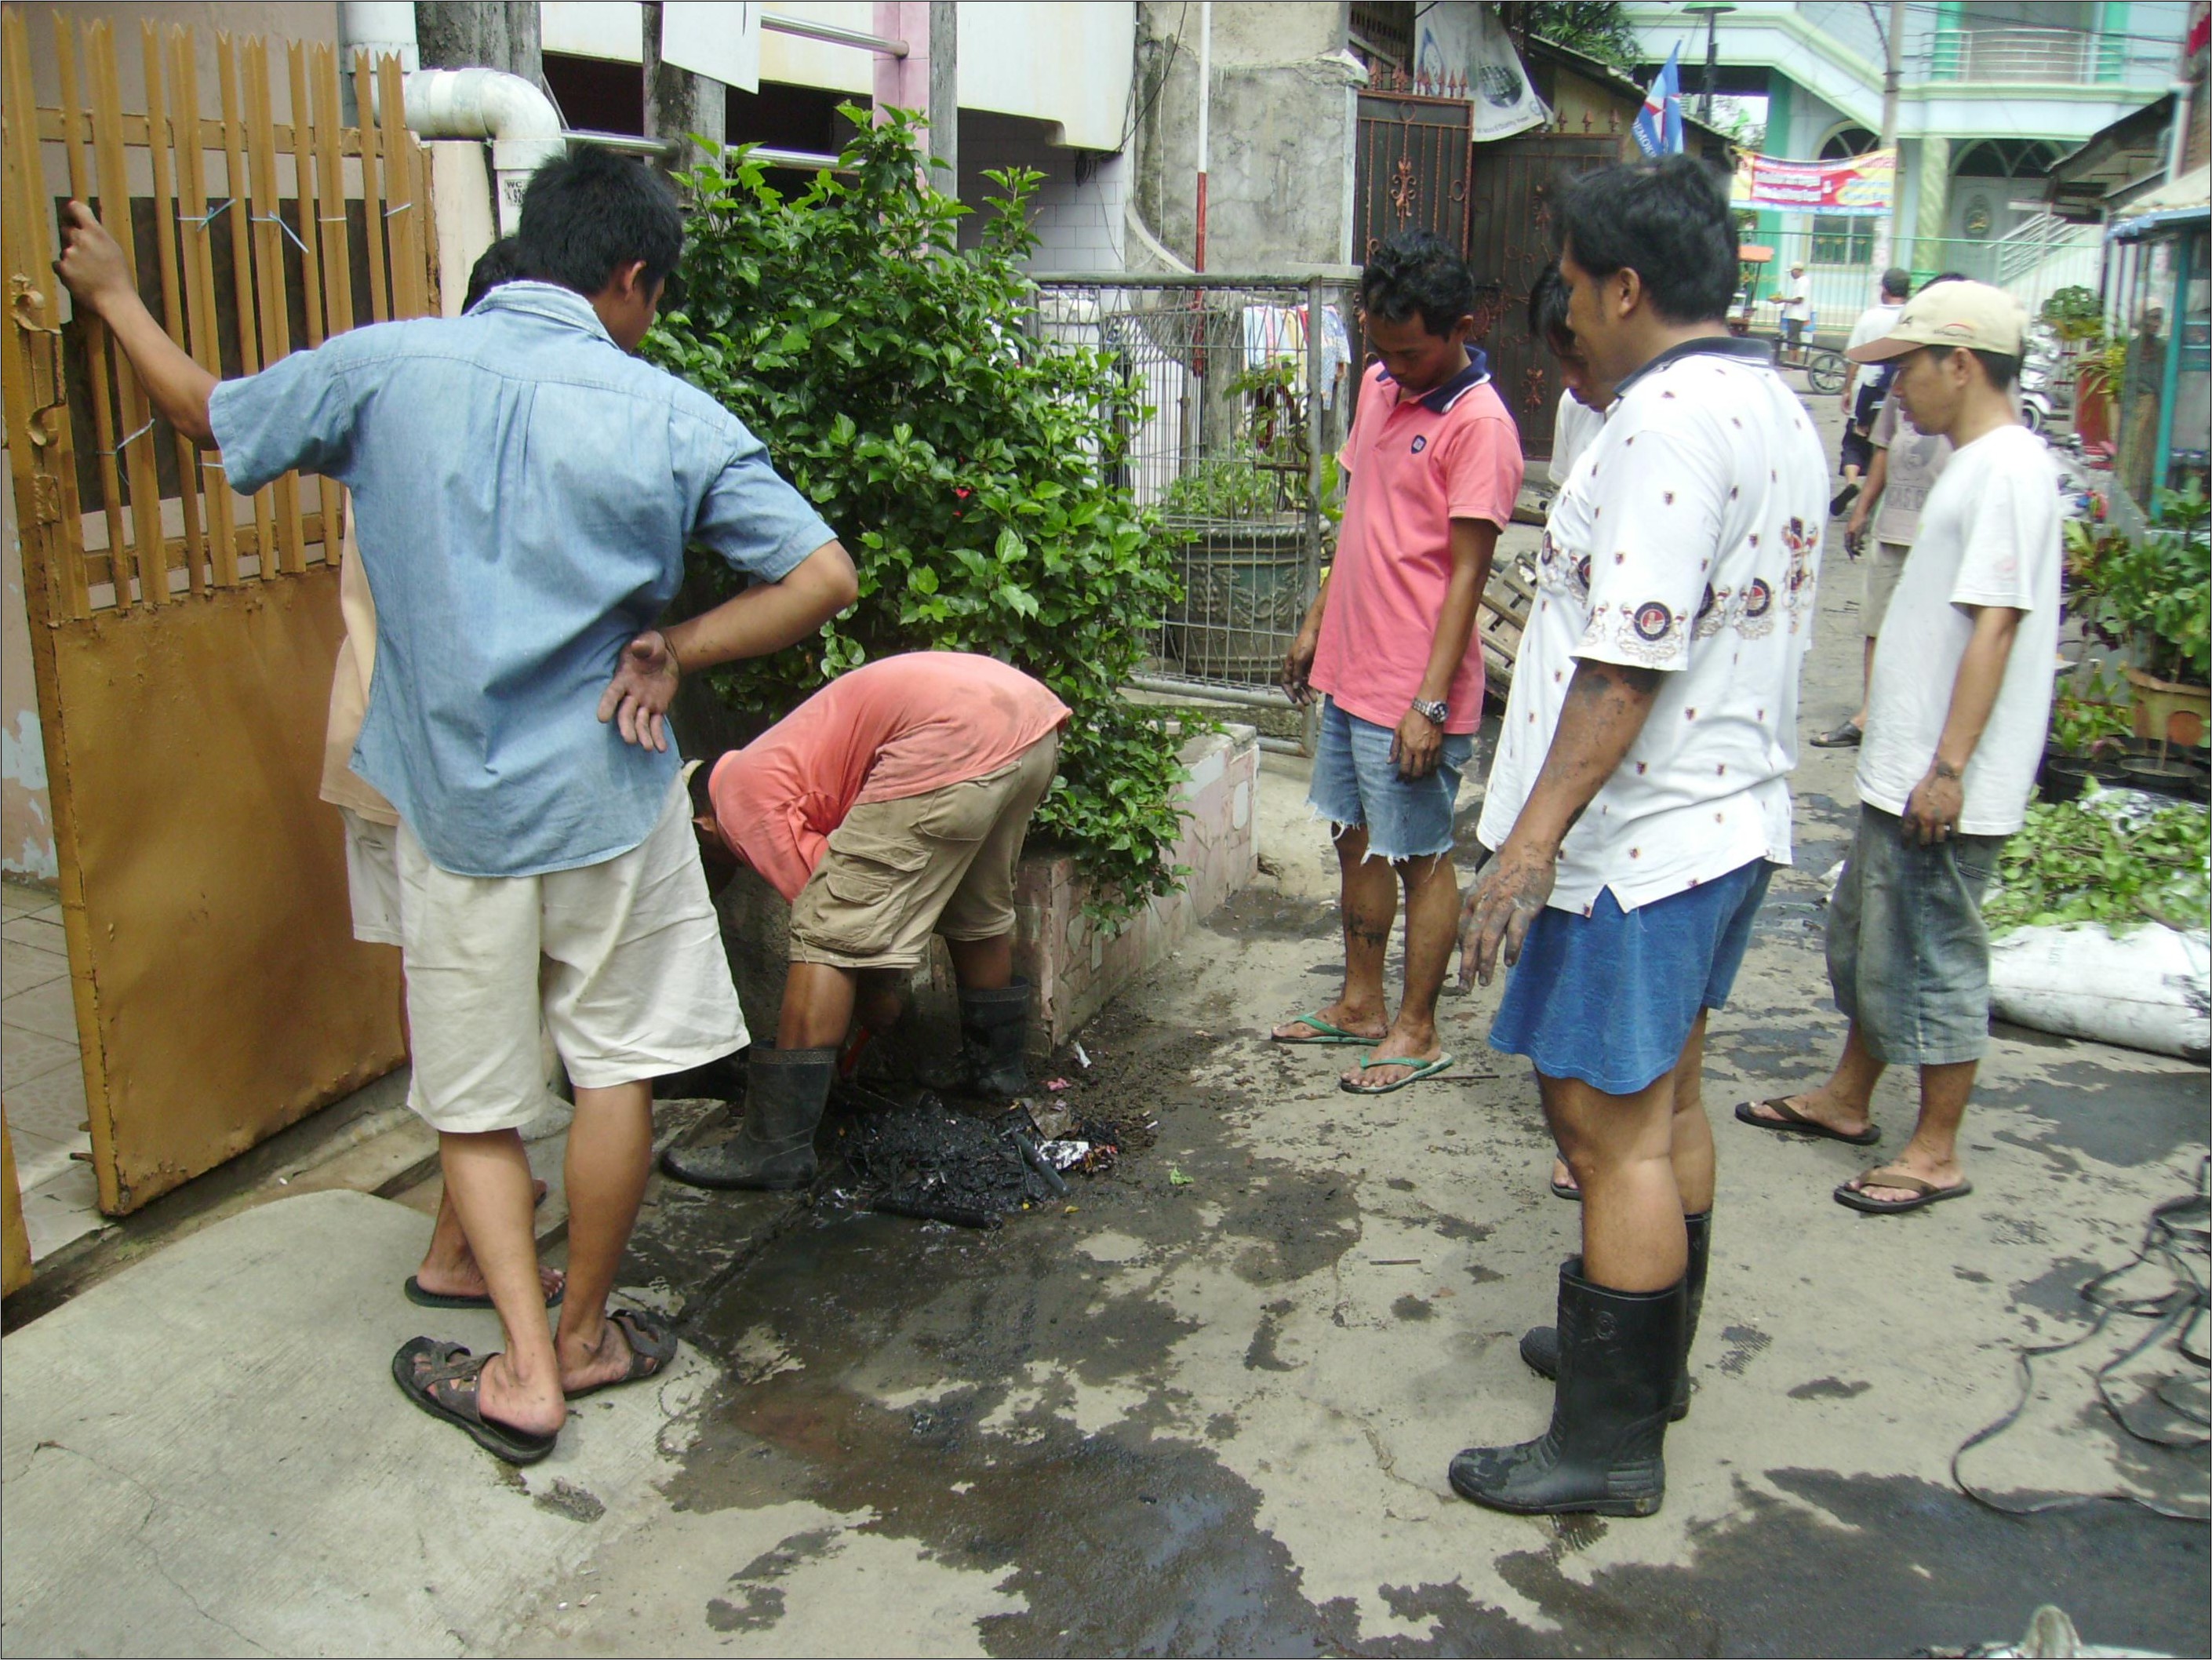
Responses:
[1639,803]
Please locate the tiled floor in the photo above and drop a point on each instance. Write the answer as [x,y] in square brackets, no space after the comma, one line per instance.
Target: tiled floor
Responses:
[40,1076]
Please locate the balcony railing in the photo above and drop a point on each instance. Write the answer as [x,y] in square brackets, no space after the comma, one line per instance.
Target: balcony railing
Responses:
[2025,56]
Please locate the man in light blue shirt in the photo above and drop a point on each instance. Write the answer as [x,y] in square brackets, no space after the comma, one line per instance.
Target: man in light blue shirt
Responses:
[526,489]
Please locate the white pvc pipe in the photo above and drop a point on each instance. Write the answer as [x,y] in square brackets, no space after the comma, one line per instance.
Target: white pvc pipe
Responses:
[520,120]
[382,29]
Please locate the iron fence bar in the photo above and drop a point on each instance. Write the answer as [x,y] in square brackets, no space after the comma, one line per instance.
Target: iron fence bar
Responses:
[830,34]
[1084,279]
[1214,691]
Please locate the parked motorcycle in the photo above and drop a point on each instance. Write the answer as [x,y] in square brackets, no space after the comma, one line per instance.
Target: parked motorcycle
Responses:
[2047,391]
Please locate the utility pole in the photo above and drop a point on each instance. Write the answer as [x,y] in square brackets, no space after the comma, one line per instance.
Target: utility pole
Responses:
[945,92]
[680,105]
[1711,10]
[1893,72]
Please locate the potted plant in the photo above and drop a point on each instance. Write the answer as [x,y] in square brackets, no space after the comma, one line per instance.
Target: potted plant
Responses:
[1238,513]
[2155,595]
[2087,739]
[2101,371]
[1243,563]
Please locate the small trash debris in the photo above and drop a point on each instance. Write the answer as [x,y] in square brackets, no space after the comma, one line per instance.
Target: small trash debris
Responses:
[1083,1058]
[1056,1085]
[1051,1123]
[1395,1261]
[1177,1178]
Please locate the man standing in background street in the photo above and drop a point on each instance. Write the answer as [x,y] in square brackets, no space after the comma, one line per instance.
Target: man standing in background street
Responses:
[1864,386]
[1956,714]
[1794,297]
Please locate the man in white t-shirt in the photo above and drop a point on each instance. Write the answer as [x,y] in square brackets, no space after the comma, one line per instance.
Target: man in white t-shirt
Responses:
[1861,396]
[1956,712]
[1795,299]
[1639,803]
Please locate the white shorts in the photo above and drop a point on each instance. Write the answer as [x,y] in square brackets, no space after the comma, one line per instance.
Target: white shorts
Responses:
[634,982]
[372,879]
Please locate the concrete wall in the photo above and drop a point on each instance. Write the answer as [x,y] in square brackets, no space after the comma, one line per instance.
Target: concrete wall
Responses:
[1077,210]
[1282,129]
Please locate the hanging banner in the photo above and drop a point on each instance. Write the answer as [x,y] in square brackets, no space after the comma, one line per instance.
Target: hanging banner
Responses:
[1861,185]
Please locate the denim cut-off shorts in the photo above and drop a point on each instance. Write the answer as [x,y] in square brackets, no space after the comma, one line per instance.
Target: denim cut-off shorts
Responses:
[1610,998]
[1908,952]
[1355,782]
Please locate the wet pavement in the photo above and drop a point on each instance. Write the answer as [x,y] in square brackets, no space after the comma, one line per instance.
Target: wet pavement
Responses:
[1205,1405]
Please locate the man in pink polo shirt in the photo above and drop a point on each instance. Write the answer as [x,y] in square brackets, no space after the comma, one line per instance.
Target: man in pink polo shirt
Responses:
[889,805]
[1435,465]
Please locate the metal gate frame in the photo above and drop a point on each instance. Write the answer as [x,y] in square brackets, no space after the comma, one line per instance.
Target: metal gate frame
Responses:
[183,638]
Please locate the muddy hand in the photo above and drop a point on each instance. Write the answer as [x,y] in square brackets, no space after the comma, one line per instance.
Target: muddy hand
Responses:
[1297,668]
[636,700]
[1495,921]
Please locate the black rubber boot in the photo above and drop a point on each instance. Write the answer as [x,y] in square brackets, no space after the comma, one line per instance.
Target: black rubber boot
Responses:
[995,1035]
[1603,1455]
[1540,1345]
[785,1092]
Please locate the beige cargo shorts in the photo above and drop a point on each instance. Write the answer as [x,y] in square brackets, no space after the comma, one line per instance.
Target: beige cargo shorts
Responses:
[940,862]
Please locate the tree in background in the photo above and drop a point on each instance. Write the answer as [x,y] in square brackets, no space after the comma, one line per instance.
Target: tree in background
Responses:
[968,470]
[1596,28]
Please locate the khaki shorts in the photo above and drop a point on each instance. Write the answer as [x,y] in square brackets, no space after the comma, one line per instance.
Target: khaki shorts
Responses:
[1883,567]
[623,960]
[373,878]
[940,862]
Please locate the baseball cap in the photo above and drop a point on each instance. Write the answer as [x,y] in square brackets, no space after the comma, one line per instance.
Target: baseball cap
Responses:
[1973,315]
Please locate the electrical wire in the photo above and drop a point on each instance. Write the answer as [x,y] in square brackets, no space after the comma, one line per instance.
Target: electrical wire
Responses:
[2178,1230]
[1158,87]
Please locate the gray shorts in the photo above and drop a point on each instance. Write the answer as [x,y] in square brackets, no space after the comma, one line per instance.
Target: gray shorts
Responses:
[1883,567]
[1908,954]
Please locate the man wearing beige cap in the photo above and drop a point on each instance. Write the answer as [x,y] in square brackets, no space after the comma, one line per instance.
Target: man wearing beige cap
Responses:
[1956,710]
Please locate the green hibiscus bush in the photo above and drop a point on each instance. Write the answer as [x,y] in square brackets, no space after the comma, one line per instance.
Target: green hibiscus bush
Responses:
[970,470]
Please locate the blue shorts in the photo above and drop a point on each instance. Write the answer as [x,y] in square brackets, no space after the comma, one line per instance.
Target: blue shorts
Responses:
[1610,998]
[1355,781]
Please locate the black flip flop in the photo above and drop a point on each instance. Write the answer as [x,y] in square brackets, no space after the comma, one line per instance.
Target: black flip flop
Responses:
[1793,1122]
[1924,1193]
[450,1365]
[1561,1190]
[651,1347]
[439,1299]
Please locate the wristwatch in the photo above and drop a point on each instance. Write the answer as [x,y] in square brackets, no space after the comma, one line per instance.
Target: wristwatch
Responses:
[1435,713]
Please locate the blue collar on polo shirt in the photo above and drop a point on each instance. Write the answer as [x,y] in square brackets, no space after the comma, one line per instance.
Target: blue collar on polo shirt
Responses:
[1705,345]
[1439,400]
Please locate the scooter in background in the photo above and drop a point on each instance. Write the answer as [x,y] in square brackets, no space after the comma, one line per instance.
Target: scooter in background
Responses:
[2046,393]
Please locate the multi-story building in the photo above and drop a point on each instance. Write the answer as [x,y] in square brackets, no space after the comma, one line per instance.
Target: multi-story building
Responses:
[1991,93]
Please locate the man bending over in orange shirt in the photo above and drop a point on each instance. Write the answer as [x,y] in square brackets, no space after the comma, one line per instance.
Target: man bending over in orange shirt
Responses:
[889,805]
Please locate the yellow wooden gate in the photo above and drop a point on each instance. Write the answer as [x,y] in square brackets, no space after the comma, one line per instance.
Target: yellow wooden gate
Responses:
[183,636]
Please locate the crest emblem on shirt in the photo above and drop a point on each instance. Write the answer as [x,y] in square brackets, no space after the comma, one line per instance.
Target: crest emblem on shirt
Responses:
[1420,442]
[1757,618]
[1653,619]
[1712,611]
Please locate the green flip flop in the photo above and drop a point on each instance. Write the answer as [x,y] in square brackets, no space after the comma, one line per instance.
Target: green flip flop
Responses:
[1421,1069]
[1326,1032]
